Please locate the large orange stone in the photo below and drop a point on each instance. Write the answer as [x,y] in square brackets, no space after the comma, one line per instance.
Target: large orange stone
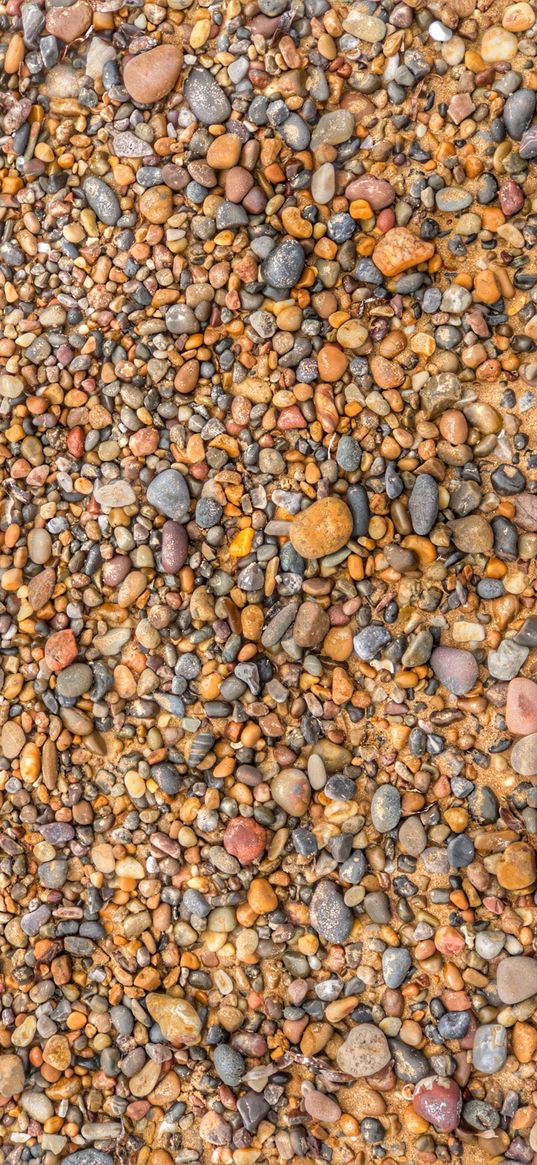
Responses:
[149,76]
[322,529]
[398,250]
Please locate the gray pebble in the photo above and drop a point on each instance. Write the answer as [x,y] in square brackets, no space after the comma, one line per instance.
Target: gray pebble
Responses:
[506,662]
[489,1052]
[102,200]
[328,914]
[423,504]
[169,494]
[369,642]
[284,266]
[396,963]
[518,112]
[386,808]
[228,1064]
[206,98]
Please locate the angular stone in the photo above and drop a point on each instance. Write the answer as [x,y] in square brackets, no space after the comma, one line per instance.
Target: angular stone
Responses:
[517,867]
[178,1020]
[399,250]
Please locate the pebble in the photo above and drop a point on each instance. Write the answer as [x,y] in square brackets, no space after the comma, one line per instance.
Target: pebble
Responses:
[149,76]
[438,1100]
[229,1064]
[245,839]
[284,265]
[102,200]
[268,556]
[386,808]
[322,528]
[328,914]
[168,493]
[524,755]
[11,1075]
[516,979]
[396,963]
[206,98]
[178,1020]
[364,1051]
[455,668]
[423,504]
[489,1051]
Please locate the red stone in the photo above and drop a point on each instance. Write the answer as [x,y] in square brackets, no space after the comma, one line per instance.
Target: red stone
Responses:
[385,220]
[75,441]
[60,650]
[245,839]
[291,418]
[438,1100]
[510,197]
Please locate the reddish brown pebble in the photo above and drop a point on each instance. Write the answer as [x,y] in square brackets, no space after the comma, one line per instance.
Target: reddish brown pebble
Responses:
[245,839]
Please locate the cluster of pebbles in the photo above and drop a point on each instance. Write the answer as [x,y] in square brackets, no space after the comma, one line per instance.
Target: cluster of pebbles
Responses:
[268,530]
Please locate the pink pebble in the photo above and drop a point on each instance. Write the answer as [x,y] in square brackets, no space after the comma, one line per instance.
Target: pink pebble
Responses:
[521,707]
[438,1100]
[385,220]
[291,418]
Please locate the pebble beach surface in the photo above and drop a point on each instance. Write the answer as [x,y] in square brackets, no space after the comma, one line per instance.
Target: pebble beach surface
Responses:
[268,632]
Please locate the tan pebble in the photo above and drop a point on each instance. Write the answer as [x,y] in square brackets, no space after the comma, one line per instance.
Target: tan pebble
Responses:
[156,204]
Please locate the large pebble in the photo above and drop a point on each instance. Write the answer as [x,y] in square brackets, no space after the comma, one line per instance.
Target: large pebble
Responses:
[206,98]
[518,112]
[423,504]
[396,963]
[328,914]
[148,77]
[521,706]
[69,22]
[292,791]
[399,250]
[506,661]
[169,494]
[456,669]
[516,978]
[369,642]
[438,1100]
[524,756]
[178,1020]
[322,528]
[102,199]
[364,1052]
[360,24]
[333,128]
[386,808]
[489,1051]
[245,839]
[284,265]
[174,547]
[11,1075]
